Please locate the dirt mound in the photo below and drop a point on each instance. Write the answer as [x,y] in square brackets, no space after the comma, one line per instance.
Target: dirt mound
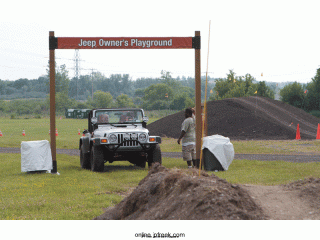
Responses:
[309,189]
[246,118]
[172,194]
[294,201]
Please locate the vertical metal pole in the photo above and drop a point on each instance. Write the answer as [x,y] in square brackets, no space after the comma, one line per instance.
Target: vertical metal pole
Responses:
[198,99]
[92,83]
[53,106]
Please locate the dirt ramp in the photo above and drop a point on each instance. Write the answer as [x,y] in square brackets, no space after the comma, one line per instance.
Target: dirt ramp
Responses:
[246,118]
[172,194]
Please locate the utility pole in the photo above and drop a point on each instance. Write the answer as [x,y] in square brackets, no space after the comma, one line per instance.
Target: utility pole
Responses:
[77,67]
[92,82]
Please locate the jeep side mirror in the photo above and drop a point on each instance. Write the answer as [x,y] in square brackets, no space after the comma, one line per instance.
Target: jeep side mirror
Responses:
[94,120]
[145,119]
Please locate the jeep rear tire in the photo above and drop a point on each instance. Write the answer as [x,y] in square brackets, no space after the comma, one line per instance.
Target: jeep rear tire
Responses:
[84,159]
[96,158]
[154,156]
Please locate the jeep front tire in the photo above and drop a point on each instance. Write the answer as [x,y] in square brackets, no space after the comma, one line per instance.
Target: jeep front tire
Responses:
[84,159]
[96,158]
[154,156]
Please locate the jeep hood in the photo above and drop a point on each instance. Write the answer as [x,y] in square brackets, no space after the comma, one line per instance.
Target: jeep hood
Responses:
[113,129]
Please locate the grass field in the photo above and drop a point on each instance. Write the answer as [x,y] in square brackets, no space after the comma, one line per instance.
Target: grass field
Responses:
[68,138]
[82,194]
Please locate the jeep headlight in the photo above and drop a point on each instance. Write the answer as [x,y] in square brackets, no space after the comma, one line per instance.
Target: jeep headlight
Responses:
[112,138]
[142,137]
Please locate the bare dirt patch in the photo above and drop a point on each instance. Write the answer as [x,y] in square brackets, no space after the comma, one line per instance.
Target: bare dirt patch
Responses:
[173,194]
[288,202]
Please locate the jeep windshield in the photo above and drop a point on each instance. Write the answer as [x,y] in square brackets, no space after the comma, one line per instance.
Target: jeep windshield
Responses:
[119,116]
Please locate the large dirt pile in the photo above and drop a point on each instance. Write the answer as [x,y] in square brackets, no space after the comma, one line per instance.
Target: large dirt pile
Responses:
[176,194]
[246,118]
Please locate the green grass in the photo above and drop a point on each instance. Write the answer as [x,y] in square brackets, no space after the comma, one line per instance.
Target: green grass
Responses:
[259,172]
[277,147]
[38,129]
[68,138]
[268,172]
[74,194]
[82,194]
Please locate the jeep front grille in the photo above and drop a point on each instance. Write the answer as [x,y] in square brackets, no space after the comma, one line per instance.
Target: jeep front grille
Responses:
[129,143]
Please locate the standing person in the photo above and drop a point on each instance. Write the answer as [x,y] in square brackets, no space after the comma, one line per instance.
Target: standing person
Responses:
[188,136]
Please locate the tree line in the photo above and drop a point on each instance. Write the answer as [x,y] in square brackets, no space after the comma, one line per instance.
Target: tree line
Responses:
[304,96]
[98,91]
[241,86]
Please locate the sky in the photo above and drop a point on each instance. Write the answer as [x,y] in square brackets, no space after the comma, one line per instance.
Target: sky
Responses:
[277,39]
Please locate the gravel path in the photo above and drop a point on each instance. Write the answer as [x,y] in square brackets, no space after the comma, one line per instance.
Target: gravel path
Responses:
[262,157]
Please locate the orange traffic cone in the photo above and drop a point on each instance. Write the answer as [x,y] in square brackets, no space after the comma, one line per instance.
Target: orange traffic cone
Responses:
[1,134]
[23,133]
[78,131]
[298,133]
[56,132]
[318,132]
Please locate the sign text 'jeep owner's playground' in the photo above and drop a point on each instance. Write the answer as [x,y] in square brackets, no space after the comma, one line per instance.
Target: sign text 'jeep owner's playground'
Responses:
[124,43]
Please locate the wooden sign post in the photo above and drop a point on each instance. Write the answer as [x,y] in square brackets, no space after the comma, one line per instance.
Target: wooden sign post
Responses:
[52,47]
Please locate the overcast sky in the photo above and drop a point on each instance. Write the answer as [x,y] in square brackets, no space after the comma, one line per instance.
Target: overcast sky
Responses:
[277,38]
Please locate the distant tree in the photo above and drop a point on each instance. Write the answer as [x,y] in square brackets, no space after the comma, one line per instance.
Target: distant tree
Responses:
[62,80]
[264,91]
[138,101]
[160,93]
[62,102]
[101,100]
[238,90]
[231,76]
[124,101]
[248,83]
[293,94]
[19,84]
[2,87]
[221,88]
[3,106]
[139,93]
[181,102]
[157,105]
[313,93]
[168,80]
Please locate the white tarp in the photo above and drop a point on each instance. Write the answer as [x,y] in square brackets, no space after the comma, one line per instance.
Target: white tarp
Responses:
[221,147]
[36,156]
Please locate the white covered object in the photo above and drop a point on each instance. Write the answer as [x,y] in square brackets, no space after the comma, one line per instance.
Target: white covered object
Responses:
[36,156]
[221,147]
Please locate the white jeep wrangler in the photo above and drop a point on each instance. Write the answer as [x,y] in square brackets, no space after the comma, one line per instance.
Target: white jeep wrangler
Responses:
[118,135]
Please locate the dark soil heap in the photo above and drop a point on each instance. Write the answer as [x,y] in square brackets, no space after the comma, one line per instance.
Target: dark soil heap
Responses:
[246,118]
[176,194]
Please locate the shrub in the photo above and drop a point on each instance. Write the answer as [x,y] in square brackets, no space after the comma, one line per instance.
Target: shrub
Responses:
[315,113]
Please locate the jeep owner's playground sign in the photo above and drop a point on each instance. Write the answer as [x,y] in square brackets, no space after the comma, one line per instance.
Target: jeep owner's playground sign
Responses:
[124,43]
